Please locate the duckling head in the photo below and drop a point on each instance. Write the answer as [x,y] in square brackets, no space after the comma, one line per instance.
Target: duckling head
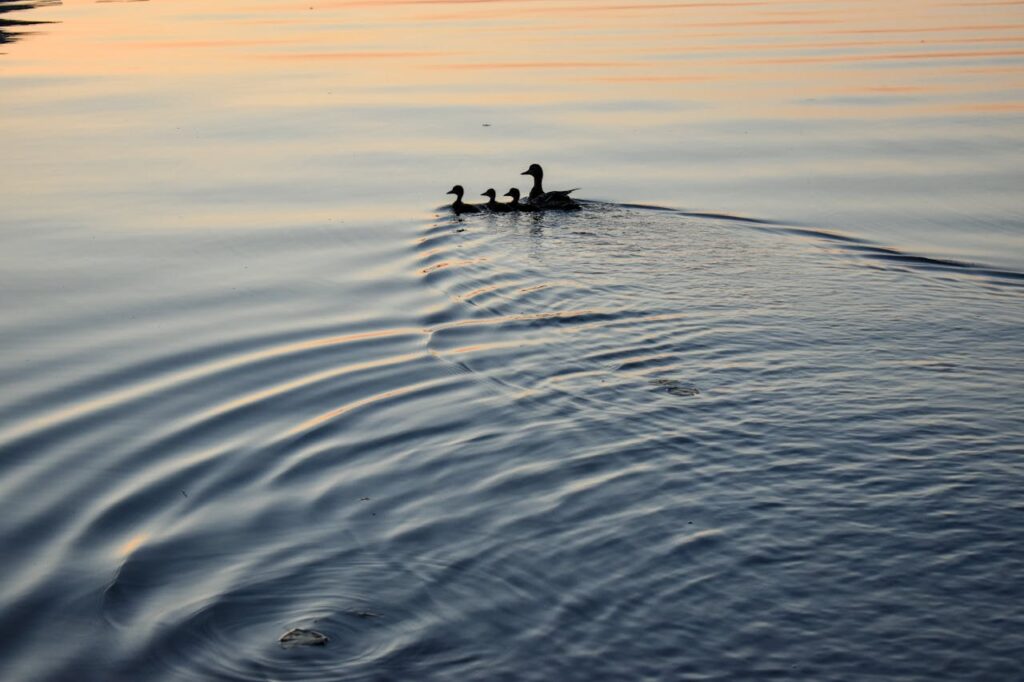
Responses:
[514,193]
[457,191]
[535,170]
[490,194]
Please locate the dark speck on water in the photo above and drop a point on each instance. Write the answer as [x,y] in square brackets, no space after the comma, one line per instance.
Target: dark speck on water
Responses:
[303,637]
[677,388]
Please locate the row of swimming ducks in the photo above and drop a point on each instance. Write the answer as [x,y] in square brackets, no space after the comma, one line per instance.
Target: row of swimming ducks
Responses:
[539,200]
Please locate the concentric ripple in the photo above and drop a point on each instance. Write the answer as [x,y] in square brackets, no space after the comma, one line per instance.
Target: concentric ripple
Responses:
[396,614]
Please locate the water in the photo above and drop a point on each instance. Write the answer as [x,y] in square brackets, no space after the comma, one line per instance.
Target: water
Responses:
[753,413]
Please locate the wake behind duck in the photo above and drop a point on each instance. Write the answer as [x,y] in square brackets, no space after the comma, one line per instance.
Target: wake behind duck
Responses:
[539,200]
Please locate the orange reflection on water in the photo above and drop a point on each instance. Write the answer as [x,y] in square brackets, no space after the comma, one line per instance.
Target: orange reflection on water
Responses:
[455,52]
[378,80]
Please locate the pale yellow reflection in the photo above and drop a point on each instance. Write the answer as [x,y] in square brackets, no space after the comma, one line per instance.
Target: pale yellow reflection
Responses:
[129,546]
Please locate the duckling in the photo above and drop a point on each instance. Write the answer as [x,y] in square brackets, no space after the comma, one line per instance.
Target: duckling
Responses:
[458,205]
[492,202]
[556,200]
[514,204]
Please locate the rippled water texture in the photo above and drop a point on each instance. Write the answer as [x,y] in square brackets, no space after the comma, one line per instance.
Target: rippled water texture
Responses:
[754,412]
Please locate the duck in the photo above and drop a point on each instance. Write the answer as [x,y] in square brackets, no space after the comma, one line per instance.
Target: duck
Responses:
[557,200]
[514,204]
[458,205]
[492,202]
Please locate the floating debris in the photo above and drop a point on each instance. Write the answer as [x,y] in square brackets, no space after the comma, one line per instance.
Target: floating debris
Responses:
[303,637]
[675,387]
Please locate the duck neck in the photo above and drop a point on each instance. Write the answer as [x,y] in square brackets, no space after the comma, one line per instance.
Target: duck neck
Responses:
[538,187]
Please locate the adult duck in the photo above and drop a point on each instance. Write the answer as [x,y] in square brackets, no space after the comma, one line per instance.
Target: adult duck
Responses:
[492,204]
[556,200]
[460,206]
[514,204]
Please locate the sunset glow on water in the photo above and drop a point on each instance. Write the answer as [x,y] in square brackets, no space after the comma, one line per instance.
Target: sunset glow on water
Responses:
[891,122]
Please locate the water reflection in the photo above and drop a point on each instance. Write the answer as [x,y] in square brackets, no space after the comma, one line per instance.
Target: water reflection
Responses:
[252,382]
[10,28]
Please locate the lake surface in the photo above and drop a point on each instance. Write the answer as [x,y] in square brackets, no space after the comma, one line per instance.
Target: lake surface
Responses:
[755,412]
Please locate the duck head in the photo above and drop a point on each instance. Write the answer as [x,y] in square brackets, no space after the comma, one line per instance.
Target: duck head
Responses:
[514,193]
[535,170]
[457,191]
[490,194]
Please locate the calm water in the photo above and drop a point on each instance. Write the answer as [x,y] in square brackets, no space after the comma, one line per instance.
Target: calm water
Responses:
[256,377]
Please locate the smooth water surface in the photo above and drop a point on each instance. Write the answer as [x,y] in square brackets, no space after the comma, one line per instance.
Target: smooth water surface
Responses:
[753,413]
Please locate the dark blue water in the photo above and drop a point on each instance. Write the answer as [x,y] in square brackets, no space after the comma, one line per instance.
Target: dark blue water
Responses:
[256,379]
[624,443]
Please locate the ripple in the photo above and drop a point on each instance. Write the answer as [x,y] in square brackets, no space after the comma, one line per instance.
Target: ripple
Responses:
[251,384]
[380,614]
[568,444]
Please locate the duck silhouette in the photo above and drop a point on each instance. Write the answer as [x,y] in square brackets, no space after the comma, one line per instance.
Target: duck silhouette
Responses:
[458,205]
[514,204]
[555,200]
[492,202]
